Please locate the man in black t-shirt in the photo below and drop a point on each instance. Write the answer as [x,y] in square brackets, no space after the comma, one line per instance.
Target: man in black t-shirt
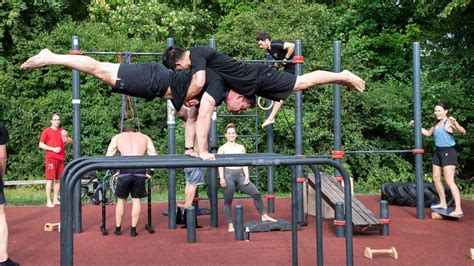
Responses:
[4,139]
[278,50]
[148,80]
[248,80]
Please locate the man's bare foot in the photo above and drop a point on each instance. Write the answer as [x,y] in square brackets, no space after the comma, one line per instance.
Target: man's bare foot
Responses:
[231,228]
[39,60]
[266,218]
[56,203]
[353,81]
[268,122]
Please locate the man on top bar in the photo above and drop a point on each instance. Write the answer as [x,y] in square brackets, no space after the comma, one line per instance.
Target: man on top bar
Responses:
[246,81]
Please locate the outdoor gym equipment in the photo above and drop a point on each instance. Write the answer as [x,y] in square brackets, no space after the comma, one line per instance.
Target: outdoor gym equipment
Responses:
[50,227]
[369,253]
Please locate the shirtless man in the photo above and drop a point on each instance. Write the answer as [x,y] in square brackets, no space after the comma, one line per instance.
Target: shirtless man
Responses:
[130,181]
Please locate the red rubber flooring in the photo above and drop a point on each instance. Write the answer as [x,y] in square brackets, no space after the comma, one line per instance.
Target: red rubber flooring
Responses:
[418,242]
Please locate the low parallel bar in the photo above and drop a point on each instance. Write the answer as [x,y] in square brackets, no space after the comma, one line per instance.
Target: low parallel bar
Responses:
[86,164]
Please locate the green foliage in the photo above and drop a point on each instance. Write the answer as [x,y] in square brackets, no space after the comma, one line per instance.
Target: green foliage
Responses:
[376,40]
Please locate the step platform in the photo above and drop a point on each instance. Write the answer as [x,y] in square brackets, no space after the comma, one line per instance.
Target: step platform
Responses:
[259,226]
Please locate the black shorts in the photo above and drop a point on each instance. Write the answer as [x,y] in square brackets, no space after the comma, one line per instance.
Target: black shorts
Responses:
[133,184]
[148,81]
[2,195]
[276,85]
[444,156]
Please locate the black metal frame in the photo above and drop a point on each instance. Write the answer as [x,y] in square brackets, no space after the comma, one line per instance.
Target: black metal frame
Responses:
[74,170]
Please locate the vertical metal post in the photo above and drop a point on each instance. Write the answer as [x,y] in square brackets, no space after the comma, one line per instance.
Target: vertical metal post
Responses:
[420,200]
[339,217]
[270,169]
[171,126]
[212,181]
[239,222]
[337,104]
[384,214]
[191,224]
[76,126]
[294,219]
[319,216]
[299,136]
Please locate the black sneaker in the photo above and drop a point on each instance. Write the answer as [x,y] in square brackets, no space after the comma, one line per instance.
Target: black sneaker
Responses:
[133,232]
[9,262]
[118,231]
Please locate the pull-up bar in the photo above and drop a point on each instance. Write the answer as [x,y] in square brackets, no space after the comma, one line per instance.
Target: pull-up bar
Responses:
[79,52]
[74,170]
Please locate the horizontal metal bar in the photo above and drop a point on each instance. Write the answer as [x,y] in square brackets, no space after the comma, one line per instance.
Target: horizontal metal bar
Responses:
[123,53]
[181,161]
[237,116]
[378,151]
[266,61]
[241,136]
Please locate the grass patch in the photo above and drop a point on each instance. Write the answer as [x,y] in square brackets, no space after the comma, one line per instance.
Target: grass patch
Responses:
[35,195]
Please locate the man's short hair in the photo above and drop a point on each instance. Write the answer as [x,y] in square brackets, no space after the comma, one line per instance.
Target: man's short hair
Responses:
[262,36]
[172,55]
[130,126]
[251,100]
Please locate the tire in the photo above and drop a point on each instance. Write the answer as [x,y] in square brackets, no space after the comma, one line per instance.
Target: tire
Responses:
[404,194]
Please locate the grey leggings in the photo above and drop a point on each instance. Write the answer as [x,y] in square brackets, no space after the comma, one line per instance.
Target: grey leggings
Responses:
[235,178]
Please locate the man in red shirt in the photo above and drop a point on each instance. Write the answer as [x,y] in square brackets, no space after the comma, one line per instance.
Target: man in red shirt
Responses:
[53,140]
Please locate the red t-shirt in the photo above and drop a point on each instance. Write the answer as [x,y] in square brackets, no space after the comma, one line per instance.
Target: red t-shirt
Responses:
[53,138]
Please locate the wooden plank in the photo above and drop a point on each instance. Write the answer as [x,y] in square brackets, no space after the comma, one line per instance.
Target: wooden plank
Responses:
[363,211]
[332,191]
[24,182]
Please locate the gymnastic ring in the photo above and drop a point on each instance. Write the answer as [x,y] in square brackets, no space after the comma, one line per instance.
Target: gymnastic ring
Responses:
[261,106]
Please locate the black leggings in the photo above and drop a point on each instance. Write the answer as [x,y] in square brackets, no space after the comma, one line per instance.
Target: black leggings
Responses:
[235,178]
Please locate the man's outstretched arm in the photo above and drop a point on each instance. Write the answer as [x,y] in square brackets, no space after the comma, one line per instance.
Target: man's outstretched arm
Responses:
[203,125]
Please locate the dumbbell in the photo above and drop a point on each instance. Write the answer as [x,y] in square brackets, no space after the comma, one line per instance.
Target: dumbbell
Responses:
[392,252]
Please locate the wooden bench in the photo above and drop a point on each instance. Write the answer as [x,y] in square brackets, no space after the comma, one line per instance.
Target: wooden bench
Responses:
[363,220]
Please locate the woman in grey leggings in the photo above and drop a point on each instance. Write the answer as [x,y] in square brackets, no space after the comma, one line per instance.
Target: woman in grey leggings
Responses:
[237,177]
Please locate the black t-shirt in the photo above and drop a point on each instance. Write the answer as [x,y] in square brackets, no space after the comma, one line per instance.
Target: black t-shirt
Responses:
[4,139]
[215,86]
[241,77]
[278,53]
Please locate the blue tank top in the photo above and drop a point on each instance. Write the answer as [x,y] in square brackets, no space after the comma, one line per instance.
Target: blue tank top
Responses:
[442,137]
